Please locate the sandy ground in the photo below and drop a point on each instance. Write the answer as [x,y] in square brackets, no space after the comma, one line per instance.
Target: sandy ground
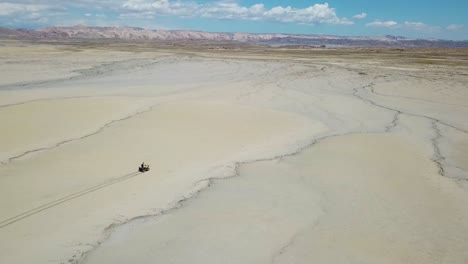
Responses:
[257,156]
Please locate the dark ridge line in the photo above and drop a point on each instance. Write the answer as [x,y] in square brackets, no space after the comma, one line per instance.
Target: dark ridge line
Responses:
[91,72]
[394,123]
[438,157]
[209,183]
[110,228]
[48,99]
[395,120]
[72,97]
[9,87]
[290,242]
[412,114]
[99,130]
[416,99]
[34,211]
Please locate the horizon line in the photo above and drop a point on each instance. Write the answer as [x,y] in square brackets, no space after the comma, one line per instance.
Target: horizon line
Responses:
[233,32]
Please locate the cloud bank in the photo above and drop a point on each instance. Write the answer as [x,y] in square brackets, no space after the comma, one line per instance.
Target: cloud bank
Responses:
[418,26]
[386,24]
[455,27]
[148,13]
[315,14]
[146,9]
[360,16]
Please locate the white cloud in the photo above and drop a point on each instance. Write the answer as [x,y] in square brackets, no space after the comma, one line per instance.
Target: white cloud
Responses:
[60,4]
[89,15]
[19,13]
[387,24]
[419,26]
[360,16]
[316,14]
[151,9]
[455,27]
[14,9]
[22,13]
[416,25]
[25,10]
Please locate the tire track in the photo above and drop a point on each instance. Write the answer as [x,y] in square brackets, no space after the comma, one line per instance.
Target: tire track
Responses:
[34,211]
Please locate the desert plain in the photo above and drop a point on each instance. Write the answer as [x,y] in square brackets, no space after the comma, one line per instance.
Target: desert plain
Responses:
[257,155]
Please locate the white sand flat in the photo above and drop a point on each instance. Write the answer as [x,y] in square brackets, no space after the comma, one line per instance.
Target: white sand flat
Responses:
[256,156]
[362,198]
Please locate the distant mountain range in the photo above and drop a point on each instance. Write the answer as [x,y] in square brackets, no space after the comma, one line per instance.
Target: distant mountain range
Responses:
[140,34]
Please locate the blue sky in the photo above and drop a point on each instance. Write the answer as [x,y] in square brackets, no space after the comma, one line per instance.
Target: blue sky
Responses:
[411,18]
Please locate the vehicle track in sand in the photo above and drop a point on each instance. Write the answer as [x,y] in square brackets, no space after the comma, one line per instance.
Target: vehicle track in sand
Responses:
[34,211]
